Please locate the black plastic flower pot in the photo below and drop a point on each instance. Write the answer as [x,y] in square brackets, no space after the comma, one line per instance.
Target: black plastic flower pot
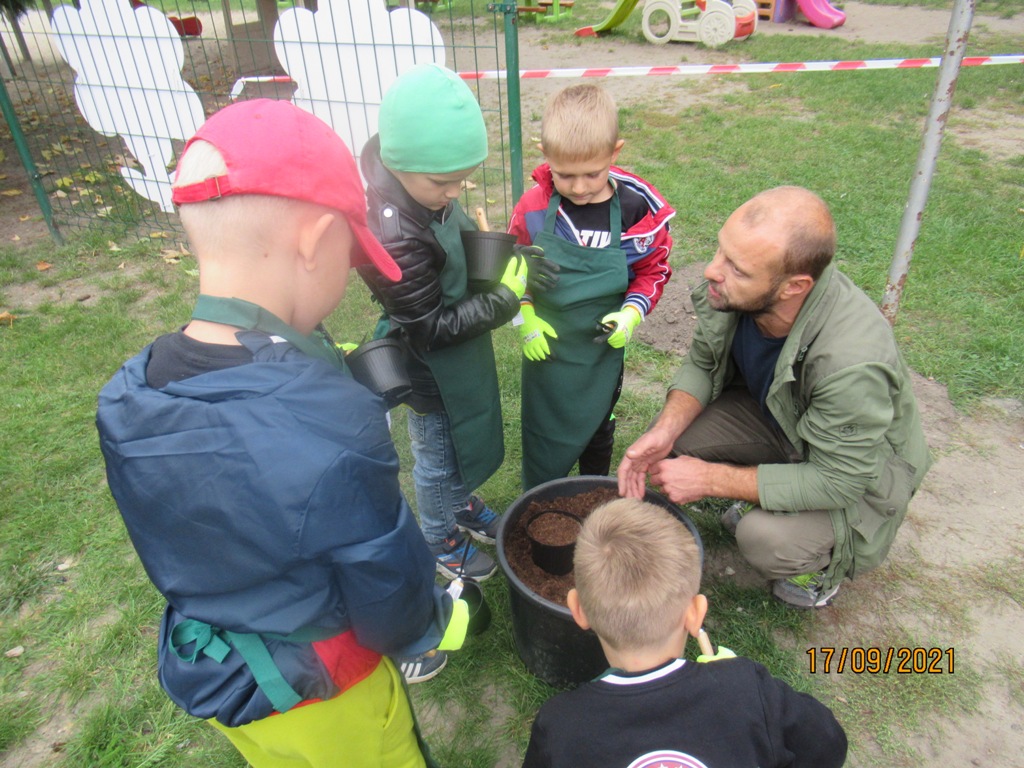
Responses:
[379,365]
[487,255]
[548,641]
[550,555]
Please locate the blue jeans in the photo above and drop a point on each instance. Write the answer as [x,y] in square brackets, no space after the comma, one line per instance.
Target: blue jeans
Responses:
[439,488]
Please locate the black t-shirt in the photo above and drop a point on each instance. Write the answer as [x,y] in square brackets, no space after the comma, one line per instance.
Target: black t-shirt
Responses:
[755,356]
[591,221]
[175,357]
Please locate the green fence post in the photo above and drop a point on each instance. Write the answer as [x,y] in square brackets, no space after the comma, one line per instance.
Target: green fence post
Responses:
[26,160]
[515,127]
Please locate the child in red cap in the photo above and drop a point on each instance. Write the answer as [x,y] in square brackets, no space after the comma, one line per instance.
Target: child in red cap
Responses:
[258,481]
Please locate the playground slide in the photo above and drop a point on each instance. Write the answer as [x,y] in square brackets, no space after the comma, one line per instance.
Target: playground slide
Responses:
[821,13]
[618,15]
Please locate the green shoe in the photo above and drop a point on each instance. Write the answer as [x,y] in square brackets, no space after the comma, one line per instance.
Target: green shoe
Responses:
[804,591]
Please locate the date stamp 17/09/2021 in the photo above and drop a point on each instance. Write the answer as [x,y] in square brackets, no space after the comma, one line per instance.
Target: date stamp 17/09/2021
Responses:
[861,660]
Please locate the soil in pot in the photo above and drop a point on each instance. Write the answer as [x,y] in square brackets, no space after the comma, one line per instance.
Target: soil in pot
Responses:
[518,549]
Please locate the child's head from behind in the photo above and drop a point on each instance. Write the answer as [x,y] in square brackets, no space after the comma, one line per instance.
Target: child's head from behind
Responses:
[265,177]
[637,571]
[432,134]
[580,141]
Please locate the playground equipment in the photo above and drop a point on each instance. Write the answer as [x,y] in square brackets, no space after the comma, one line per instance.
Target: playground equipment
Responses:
[711,22]
[819,13]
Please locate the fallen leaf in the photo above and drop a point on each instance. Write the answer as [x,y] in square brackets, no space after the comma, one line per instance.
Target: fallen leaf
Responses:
[42,266]
[11,192]
[15,652]
[15,238]
[24,218]
[112,246]
[65,565]
[121,265]
[60,193]
[158,235]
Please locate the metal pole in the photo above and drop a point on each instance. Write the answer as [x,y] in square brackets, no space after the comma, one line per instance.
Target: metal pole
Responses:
[26,160]
[515,125]
[949,69]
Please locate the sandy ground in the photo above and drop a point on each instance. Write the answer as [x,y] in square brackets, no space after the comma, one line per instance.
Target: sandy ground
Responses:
[964,519]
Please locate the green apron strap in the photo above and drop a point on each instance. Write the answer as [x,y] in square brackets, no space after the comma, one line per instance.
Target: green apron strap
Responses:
[214,643]
[268,677]
[207,641]
[252,317]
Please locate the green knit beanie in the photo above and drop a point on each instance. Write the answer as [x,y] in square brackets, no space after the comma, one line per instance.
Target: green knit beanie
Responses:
[430,122]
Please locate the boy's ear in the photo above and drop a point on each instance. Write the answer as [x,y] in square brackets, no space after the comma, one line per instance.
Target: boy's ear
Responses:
[693,618]
[540,147]
[618,148]
[310,235]
[572,601]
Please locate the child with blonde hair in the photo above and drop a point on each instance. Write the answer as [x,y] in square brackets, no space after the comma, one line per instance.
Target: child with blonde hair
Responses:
[607,231]
[637,571]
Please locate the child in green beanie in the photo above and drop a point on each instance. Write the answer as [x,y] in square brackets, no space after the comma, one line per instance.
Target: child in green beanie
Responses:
[431,138]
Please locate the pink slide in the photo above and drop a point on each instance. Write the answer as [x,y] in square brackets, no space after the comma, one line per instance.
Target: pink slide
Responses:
[821,13]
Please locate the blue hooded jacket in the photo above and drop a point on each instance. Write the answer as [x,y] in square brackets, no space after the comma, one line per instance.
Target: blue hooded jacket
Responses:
[264,498]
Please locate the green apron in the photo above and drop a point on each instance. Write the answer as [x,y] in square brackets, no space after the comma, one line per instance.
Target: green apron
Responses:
[566,397]
[466,374]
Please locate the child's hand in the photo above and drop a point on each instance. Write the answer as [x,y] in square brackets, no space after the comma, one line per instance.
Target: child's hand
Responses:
[723,653]
[533,330]
[515,275]
[625,321]
[543,273]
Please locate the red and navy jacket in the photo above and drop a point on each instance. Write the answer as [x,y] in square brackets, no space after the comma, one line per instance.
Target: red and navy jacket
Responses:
[646,245]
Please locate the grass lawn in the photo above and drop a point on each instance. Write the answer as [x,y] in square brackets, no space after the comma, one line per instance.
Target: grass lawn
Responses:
[83,692]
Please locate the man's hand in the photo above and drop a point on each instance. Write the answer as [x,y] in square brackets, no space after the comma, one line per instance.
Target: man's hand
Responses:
[533,332]
[650,448]
[682,479]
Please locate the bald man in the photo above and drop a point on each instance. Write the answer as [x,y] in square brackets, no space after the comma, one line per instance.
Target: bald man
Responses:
[793,400]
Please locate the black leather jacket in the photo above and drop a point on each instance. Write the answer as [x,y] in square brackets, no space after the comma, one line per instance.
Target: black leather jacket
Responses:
[414,304]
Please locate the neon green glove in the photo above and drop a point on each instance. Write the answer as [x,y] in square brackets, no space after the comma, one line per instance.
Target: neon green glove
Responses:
[723,653]
[455,633]
[347,346]
[532,331]
[516,275]
[625,322]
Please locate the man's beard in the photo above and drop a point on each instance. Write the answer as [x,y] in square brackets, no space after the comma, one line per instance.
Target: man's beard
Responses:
[755,307]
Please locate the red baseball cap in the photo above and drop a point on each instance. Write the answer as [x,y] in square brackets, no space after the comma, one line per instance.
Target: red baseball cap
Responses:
[274,148]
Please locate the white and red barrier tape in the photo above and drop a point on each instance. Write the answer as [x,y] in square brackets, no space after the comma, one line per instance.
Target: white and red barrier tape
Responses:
[699,69]
[735,69]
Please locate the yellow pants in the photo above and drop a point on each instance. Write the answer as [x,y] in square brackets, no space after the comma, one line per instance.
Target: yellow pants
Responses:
[368,726]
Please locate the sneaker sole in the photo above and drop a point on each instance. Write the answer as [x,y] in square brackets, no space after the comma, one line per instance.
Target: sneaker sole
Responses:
[451,574]
[482,537]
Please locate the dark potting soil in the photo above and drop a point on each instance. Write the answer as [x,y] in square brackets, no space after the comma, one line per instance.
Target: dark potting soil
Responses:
[553,529]
[517,544]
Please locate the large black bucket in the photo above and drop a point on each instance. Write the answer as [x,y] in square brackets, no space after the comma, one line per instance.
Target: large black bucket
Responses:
[547,639]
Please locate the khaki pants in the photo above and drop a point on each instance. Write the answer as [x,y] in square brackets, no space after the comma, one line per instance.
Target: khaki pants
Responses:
[779,544]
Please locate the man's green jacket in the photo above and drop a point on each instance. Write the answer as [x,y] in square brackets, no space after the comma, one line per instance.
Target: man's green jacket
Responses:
[842,395]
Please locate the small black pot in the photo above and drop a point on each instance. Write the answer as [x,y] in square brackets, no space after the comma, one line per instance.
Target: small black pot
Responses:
[487,255]
[555,559]
[379,366]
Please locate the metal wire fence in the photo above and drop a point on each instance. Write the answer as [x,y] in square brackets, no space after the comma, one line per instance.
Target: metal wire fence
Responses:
[100,96]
